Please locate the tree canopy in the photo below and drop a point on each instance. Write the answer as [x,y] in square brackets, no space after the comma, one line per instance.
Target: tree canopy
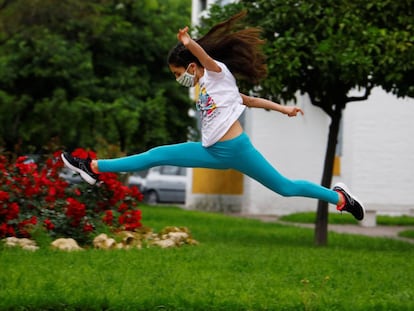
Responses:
[91,74]
[331,46]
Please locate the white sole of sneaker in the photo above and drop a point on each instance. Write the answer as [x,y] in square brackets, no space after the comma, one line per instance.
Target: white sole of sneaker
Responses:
[343,186]
[84,175]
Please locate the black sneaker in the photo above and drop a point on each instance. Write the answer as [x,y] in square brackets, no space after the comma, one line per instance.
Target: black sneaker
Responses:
[81,166]
[352,205]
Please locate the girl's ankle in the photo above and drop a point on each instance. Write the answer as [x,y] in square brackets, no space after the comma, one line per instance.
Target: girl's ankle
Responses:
[341,201]
[94,167]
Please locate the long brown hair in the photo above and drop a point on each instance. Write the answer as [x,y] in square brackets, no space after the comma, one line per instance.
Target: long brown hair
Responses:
[228,42]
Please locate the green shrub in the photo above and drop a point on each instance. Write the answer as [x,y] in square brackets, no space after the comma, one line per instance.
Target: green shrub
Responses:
[407,234]
[33,196]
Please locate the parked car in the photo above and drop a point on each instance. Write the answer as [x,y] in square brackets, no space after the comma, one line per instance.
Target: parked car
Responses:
[161,184]
[70,176]
[138,179]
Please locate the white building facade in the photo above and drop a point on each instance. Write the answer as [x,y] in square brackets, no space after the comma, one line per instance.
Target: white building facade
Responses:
[377,154]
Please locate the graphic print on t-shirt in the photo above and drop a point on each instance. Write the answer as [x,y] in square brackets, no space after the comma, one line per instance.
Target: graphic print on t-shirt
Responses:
[205,102]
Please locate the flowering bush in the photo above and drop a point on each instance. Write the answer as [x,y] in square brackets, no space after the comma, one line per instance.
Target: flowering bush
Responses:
[33,195]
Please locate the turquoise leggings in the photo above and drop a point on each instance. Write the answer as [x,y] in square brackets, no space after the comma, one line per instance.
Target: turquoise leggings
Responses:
[237,153]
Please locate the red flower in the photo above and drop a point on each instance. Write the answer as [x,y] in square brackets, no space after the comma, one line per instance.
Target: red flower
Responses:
[57,154]
[25,168]
[109,217]
[48,224]
[123,207]
[21,159]
[30,191]
[134,192]
[51,195]
[6,230]
[87,227]
[131,220]
[84,154]
[10,231]
[13,211]
[22,226]
[4,196]
[3,229]
[75,210]
[31,221]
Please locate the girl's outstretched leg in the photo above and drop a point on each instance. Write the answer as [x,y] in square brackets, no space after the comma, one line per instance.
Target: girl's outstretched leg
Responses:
[253,164]
[249,161]
[189,154]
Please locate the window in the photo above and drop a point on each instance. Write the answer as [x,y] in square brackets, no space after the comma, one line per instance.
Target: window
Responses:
[172,170]
[225,2]
[169,170]
[202,5]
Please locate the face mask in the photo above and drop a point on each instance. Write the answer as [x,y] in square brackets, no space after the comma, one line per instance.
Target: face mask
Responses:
[186,79]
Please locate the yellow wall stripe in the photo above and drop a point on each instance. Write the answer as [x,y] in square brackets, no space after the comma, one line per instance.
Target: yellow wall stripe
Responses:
[208,181]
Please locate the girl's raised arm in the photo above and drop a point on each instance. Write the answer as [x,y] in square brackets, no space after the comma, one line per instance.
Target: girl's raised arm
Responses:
[206,61]
[257,102]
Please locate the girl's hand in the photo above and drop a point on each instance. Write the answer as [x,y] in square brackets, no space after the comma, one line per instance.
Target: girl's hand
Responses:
[183,36]
[198,52]
[293,111]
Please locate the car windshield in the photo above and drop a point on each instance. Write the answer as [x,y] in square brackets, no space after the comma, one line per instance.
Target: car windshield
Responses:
[142,174]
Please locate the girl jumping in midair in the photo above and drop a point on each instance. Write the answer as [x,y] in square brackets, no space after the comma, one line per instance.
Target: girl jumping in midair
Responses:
[213,62]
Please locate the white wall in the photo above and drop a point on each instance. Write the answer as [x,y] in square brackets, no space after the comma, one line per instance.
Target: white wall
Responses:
[378,157]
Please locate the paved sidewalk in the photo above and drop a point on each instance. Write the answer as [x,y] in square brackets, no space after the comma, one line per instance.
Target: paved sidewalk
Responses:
[377,231]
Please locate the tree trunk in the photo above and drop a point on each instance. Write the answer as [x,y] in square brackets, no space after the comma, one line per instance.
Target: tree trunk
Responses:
[321,225]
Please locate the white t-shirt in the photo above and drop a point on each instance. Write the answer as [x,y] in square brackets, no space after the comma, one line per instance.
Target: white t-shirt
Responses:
[219,103]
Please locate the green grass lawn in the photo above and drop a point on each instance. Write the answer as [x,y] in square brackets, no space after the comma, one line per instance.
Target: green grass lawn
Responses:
[240,264]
